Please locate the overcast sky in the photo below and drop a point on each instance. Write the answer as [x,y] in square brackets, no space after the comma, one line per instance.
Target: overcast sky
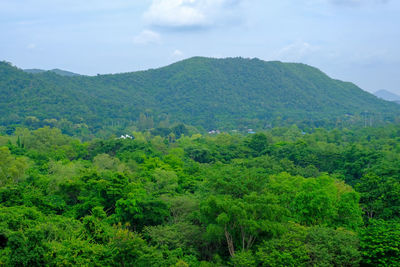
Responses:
[351,40]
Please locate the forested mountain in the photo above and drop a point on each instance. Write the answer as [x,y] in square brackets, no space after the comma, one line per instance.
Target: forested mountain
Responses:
[34,71]
[210,93]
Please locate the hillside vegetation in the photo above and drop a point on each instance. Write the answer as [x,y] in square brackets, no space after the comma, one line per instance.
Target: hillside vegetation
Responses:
[279,198]
[233,93]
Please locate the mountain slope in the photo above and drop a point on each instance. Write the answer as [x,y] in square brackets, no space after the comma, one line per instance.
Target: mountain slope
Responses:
[211,93]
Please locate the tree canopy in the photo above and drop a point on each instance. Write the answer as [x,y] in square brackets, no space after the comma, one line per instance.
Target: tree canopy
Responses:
[275,198]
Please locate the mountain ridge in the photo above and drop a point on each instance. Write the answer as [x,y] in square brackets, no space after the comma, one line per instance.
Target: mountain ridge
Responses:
[57,71]
[205,92]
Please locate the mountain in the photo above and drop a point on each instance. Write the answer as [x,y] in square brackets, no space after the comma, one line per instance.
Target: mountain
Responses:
[34,71]
[57,71]
[388,96]
[210,93]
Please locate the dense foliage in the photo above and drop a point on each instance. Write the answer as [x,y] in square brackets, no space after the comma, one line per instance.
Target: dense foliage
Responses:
[224,94]
[277,198]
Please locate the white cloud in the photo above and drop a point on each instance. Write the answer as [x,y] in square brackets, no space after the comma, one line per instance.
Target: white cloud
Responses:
[147,37]
[296,51]
[177,53]
[187,13]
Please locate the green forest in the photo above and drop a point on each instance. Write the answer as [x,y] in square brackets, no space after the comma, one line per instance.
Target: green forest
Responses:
[279,197]
[209,94]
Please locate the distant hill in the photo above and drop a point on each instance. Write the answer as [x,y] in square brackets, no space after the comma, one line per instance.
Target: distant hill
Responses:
[210,93]
[388,96]
[34,71]
[57,71]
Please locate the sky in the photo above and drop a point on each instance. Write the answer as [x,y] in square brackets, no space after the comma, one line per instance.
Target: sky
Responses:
[350,40]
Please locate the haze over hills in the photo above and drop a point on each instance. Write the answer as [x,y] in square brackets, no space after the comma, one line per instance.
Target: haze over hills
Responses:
[57,71]
[388,96]
[209,93]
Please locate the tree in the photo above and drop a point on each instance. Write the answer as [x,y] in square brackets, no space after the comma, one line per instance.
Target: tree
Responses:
[27,249]
[317,201]
[380,243]
[259,143]
[380,196]
[310,246]
[287,249]
[11,169]
[329,247]
[180,130]
[242,221]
